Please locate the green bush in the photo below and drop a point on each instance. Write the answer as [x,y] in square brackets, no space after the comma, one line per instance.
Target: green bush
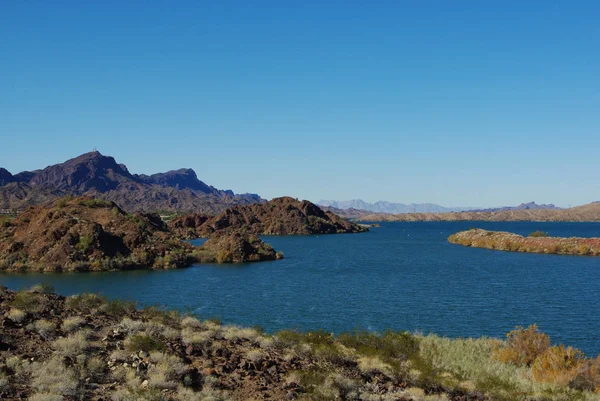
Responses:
[538,234]
[142,342]
[85,303]
[28,301]
[84,243]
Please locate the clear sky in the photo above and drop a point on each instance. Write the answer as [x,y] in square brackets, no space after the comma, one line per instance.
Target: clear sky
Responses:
[453,102]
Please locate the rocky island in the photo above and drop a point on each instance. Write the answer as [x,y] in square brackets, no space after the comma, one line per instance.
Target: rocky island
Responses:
[87,234]
[506,241]
[280,216]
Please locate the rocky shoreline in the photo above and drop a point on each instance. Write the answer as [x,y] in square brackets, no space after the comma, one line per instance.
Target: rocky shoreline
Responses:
[86,347]
[505,241]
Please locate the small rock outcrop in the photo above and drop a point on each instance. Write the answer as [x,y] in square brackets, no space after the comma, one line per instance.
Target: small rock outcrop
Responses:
[236,247]
[505,241]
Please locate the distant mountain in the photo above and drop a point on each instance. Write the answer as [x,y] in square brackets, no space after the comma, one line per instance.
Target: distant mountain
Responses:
[94,174]
[522,206]
[390,207]
[590,212]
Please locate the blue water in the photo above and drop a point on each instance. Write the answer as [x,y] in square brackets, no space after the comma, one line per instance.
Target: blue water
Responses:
[402,276]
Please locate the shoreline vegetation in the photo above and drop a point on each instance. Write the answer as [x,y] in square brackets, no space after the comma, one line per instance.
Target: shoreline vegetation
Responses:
[87,347]
[537,242]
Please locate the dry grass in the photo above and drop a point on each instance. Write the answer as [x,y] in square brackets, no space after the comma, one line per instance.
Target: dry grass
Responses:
[16,315]
[72,345]
[72,323]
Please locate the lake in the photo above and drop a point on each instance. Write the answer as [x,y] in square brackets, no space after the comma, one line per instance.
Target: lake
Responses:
[401,276]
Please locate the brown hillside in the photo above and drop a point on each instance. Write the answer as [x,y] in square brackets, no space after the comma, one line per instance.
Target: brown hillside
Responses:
[89,234]
[280,216]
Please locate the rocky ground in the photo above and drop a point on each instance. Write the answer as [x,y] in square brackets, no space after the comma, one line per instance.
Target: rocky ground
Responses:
[83,234]
[280,216]
[84,347]
[505,241]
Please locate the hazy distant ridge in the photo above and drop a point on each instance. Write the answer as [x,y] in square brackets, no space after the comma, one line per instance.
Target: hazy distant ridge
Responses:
[390,207]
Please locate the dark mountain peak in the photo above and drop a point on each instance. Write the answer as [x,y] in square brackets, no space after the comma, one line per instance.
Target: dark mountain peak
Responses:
[89,171]
[5,177]
[95,174]
[184,178]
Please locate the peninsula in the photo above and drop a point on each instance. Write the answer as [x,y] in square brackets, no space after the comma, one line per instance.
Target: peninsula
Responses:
[535,243]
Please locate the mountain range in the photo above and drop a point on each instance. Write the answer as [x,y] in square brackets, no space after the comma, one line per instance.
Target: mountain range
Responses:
[94,174]
[358,205]
[390,207]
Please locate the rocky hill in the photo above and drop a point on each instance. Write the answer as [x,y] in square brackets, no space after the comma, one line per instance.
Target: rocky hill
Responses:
[585,213]
[84,234]
[93,174]
[280,216]
[539,243]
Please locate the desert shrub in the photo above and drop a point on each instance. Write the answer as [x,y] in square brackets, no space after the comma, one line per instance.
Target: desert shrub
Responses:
[538,233]
[191,322]
[44,328]
[119,308]
[557,365]
[588,376]
[168,317]
[53,377]
[72,323]
[85,303]
[95,367]
[142,342]
[369,365]
[42,289]
[201,339]
[16,315]
[166,370]
[5,222]
[389,346]
[523,346]
[72,345]
[84,243]
[28,301]
[131,326]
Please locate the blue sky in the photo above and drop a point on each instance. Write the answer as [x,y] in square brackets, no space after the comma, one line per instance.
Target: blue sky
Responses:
[458,103]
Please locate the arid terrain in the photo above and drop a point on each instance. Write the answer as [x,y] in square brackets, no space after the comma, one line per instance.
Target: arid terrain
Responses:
[85,347]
